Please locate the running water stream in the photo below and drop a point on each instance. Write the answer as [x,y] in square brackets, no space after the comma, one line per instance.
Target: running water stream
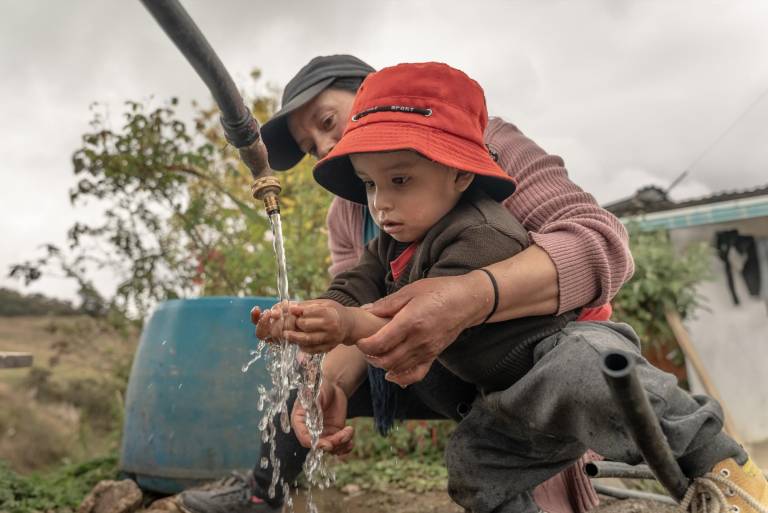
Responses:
[289,372]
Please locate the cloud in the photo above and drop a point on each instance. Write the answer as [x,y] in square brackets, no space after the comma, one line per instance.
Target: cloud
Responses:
[629,93]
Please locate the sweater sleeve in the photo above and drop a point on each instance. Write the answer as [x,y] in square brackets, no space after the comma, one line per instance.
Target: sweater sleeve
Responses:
[362,284]
[588,245]
[345,234]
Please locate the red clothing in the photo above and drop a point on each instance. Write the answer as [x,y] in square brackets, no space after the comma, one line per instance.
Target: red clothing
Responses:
[399,264]
[601,313]
[587,244]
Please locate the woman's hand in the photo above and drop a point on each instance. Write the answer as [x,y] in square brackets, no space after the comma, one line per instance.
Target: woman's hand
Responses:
[320,325]
[337,437]
[427,316]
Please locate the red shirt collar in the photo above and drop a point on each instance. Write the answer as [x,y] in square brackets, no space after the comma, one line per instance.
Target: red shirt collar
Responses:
[399,264]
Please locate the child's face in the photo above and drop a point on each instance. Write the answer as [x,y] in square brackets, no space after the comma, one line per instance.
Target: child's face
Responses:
[408,194]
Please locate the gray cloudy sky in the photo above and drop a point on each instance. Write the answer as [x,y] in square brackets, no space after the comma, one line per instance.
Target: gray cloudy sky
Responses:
[628,93]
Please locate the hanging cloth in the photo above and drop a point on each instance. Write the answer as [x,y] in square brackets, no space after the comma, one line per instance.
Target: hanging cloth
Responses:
[724,241]
[746,246]
[761,246]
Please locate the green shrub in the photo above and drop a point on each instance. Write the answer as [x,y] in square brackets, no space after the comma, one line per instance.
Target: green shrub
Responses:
[664,279]
[418,438]
[61,490]
[415,475]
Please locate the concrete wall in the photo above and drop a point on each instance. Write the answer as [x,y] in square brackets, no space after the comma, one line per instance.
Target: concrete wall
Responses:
[733,339]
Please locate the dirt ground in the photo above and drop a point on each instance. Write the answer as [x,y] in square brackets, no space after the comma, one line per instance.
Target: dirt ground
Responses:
[71,391]
[331,501]
[334,501]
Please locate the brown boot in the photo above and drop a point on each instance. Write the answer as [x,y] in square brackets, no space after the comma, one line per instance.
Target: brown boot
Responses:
[729,488]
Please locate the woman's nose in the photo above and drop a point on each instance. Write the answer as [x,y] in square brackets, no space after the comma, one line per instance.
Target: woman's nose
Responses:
[325,145]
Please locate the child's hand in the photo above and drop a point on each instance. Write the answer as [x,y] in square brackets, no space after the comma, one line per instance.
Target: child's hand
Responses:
[271,324]
[321,325]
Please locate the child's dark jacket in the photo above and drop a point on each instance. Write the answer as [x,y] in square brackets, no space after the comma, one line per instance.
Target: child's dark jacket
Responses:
[477,232]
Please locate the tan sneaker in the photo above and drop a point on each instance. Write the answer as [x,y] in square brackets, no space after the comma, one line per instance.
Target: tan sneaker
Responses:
[729,488]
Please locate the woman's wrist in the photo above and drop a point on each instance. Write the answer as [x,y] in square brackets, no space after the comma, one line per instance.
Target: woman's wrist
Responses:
[481,298]
[528,285]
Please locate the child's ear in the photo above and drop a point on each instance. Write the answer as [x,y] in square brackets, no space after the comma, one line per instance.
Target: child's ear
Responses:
[463,180]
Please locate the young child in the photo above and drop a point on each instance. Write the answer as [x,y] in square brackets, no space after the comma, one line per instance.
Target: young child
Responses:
[413,151]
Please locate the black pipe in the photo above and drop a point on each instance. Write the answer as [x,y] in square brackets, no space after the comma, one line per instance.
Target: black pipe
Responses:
[641,422]
[621,493]
[240,127]
[599,469]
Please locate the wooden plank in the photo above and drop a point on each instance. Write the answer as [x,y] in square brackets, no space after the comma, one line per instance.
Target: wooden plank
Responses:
[685,343]
[15,360]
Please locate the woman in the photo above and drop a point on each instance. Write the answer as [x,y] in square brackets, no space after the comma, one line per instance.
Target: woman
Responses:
[578,257]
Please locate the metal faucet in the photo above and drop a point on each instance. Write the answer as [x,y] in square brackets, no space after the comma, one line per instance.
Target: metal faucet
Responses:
[266,186]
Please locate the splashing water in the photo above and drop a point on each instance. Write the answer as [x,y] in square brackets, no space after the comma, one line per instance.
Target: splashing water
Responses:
[255,357]
[315,467]
[286,374]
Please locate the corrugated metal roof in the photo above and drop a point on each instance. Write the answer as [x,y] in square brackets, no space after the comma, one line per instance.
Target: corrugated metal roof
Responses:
[652,209]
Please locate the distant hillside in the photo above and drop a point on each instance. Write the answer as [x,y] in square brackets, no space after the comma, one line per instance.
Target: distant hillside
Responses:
[14,303]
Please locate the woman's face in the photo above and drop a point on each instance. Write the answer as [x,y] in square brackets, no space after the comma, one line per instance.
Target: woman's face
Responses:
[317,126]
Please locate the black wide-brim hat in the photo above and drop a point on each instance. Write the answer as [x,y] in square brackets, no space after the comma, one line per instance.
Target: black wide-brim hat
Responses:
[311,80]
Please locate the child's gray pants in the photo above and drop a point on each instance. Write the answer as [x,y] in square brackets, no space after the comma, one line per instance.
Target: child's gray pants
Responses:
[514,439]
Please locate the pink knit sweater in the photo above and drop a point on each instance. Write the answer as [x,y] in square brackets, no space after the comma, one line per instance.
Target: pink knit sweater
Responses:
[587,244]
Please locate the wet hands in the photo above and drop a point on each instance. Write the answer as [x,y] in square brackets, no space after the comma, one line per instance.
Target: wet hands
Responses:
[316,326]
[427,316]
[271,324]
[336,438]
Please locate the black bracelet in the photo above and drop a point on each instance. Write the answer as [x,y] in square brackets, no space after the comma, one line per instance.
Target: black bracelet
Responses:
[495,293]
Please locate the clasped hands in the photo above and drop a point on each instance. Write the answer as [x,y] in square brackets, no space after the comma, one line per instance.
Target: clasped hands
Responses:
[316,326]
[403,333]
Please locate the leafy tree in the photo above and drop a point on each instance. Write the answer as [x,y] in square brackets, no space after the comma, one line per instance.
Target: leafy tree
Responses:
[178,217]
[664,279]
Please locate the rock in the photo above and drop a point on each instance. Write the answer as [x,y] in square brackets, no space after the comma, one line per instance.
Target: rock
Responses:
[112,497]
[166,505]
[351,489]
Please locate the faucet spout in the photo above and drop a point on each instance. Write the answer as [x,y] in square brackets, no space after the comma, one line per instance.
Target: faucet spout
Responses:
[267,189]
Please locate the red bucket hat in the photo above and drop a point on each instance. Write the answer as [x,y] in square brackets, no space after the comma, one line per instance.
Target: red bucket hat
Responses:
[430,108]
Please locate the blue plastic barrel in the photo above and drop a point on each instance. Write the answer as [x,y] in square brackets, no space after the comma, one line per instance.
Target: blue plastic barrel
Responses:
[190,412]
